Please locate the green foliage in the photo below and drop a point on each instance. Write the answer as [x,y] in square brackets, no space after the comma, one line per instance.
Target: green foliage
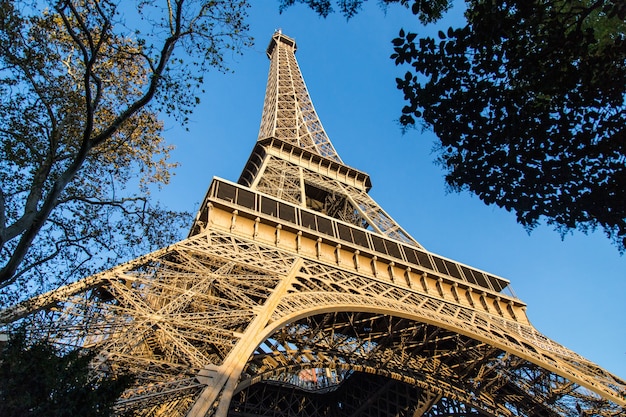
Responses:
[528,102]
[427,11]
[81,142]
[39,380]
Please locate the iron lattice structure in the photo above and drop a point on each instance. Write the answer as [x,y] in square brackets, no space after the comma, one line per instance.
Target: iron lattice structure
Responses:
[296,294]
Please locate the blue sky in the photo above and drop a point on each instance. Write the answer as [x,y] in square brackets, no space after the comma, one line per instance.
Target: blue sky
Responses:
[575,288]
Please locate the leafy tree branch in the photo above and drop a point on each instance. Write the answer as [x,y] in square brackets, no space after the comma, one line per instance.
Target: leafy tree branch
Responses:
[527,100]
[38,378]
[79,120]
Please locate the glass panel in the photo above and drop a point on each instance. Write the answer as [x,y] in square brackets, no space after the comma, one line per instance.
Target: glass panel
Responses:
[468,274]
[287,212]
[325,226]
[441,267]
[269,206]
[453,270]
[379,244]
[245,198]
[410,256]
[308,219]
[360,238]
[344,232]
[480,279]
[393,249]
[424,259]
[498,284]
[226,192]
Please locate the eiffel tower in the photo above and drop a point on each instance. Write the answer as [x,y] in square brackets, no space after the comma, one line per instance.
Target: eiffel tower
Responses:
[296,294]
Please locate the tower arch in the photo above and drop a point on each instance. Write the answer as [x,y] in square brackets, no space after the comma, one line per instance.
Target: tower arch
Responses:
[294,274]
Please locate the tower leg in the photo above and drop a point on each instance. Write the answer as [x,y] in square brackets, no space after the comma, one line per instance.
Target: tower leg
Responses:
[222,380]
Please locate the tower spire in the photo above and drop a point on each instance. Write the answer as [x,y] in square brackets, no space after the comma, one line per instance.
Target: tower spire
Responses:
[295,161]
[288,113]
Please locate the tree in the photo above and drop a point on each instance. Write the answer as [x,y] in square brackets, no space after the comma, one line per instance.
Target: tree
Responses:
[38,379]
[528,102]
[82,86]
[427,11]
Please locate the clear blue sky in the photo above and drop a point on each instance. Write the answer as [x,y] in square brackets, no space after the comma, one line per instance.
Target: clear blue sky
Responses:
[575,289]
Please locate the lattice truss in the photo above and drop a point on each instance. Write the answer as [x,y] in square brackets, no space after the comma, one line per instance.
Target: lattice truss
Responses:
[281,179]
[288,111]
[332,343]
[226,323]
[436,369]
[162,317]
[286,180]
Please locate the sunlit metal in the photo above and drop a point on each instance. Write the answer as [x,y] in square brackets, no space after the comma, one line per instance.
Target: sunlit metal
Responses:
[296,294]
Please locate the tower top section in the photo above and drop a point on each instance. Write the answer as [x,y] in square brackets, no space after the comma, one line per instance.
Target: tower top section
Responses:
[288,113]
[280,38]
